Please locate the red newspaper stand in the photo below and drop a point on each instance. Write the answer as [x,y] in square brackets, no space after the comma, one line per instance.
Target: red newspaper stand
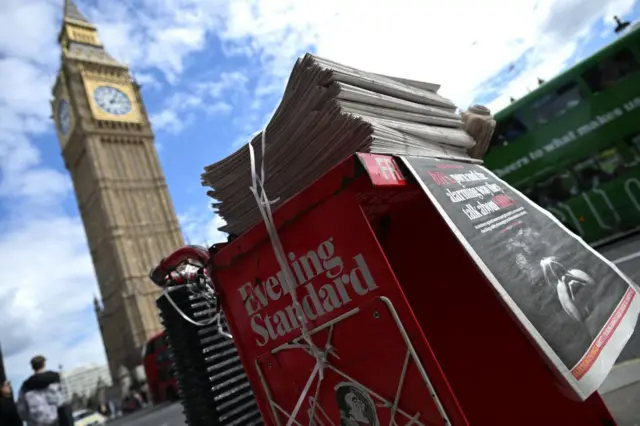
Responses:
[411,330]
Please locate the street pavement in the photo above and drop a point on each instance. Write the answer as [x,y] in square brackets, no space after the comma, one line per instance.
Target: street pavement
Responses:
[626,256]
[624,404]
[163,415]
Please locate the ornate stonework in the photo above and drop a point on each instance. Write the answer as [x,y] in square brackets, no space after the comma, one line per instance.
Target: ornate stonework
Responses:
[108,147]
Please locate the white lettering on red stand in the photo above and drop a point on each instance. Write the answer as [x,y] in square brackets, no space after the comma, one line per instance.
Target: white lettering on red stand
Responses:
[338,326]
[319,265]
[383,170]
[388,169]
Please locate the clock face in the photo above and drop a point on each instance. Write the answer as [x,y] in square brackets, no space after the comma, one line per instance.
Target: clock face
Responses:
[112,100]
[64,116]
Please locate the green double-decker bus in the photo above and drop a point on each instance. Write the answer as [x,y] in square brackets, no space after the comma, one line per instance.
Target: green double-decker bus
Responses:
[573,144]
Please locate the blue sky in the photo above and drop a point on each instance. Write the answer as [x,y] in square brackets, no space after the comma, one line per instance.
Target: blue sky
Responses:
[212,73]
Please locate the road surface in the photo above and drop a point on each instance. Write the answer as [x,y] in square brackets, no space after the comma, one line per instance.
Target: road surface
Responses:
[626,256]
[624,405]
[165,415]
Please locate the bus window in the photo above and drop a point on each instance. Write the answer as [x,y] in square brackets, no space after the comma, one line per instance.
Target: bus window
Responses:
[611,162]
[154,345]
[634,143]
[163,356]
[531,194]
[591,174]
[507,131]
[610,70]
[557,103]
[557,188]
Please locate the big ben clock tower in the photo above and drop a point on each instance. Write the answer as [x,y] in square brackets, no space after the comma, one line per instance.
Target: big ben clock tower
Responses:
[108,147]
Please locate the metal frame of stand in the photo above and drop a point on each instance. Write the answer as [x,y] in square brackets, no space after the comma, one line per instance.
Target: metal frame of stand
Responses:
[213,385]
[317,415]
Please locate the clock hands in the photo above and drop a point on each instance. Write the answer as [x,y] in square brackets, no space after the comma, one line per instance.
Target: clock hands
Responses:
[112,100]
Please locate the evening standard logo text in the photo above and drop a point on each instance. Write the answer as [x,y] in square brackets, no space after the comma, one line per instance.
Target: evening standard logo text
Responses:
[328,284]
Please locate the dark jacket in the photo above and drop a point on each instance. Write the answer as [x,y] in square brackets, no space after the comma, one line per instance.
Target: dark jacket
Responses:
[9,412]
[39,399]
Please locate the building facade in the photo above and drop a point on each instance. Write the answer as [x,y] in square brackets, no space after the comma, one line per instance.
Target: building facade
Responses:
[108,147]
[85,381]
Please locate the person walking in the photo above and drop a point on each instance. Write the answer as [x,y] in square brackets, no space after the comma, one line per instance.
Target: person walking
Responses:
[40,396]
[8,411]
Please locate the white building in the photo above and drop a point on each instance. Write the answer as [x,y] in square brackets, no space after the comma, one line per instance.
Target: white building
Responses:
[84,381]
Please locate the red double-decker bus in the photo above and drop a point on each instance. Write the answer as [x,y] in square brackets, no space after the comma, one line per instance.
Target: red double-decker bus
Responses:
[158,367]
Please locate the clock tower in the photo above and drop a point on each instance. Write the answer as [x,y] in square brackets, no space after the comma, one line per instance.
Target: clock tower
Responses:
[108,147]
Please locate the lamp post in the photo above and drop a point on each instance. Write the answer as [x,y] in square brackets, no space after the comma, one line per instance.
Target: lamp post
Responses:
[63,384]
[65,416]
[620,25]
[3,374]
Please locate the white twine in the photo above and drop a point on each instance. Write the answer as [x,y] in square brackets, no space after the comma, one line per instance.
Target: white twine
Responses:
[185,316]
[207,293]
[264,205]
[321,356]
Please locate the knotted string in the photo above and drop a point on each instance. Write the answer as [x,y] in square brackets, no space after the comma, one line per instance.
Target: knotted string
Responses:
[264,205]
[197,284]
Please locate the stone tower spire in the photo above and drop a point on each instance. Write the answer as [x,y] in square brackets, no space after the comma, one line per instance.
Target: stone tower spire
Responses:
[72,13]
[108,147]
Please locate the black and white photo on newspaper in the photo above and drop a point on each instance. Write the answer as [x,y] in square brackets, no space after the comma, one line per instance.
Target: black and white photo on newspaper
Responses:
[578,307]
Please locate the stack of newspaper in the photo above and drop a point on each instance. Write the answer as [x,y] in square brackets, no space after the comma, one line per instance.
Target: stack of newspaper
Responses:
[330,111]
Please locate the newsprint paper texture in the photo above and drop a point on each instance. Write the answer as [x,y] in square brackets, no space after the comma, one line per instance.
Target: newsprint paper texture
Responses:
[578,307]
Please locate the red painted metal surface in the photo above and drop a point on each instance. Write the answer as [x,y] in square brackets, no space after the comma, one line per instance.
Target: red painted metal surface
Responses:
[410,328]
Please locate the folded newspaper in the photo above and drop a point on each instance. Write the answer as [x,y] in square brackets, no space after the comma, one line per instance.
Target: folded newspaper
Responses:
[330,111]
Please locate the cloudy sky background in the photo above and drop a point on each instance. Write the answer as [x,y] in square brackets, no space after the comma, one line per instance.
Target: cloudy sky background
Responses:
[212,72]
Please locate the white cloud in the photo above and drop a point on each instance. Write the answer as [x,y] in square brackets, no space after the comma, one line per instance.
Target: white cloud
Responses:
[559,41]
[170,121]
[219,107]
[46,302]
[200,227]
[426,40]
[211,96]
[459,44]
[36,46]
[234,82]
[147,80]
[155,34]
[20,74]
